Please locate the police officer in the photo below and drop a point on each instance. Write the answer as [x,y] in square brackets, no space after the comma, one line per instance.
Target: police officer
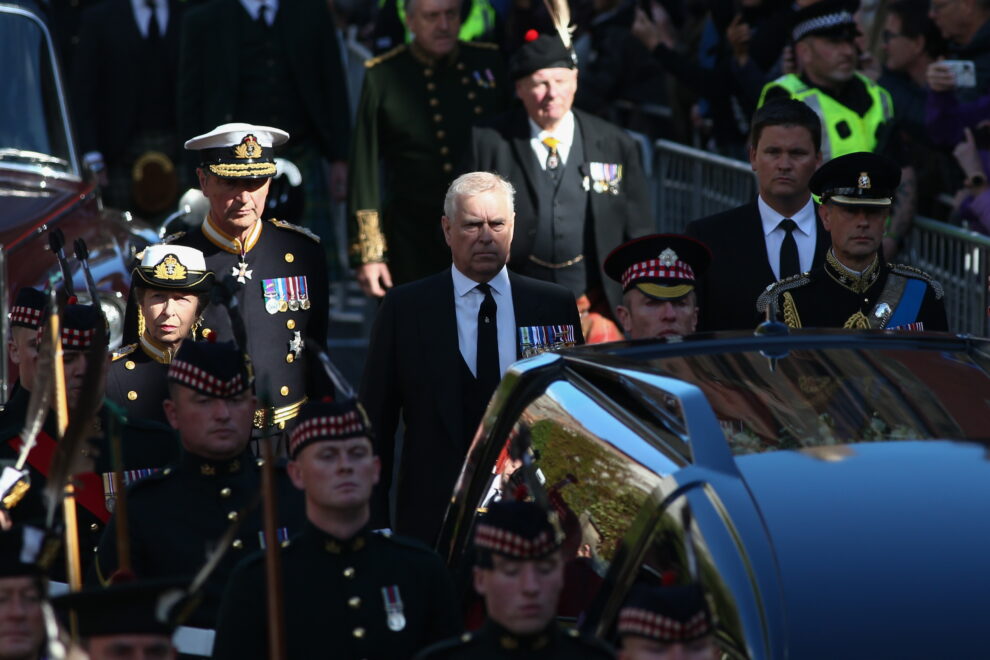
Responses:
[853,108]
[178,515]
[277,270]
[666,622]
[519,571]
[855,287]
[658,275]
[365,594]
[417,107]
[170,287]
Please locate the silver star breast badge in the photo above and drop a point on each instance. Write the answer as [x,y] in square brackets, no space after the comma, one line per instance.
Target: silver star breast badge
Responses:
[296,344]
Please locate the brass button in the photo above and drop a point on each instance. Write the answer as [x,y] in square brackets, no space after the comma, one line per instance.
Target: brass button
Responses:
[285,543]
[132,395]
[167,471]
[359,633]
[354,602]
[284,391]
[225,492]
[427,72]
[444,151]
[438,118]
[232,516]
[289,257]
[447,167]
[465,80]
[93,527]
[430,86]
[349,572]
[290,324]
[129,365]
[460,66]
[478,109]
[434,102]
[290,358]
[471,96]
[237,544]
[441,135]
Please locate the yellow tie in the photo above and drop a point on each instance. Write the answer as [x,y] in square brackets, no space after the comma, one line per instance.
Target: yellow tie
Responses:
[553,159]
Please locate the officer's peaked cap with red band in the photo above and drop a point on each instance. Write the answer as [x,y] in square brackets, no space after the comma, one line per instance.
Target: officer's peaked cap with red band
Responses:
[219,370]
[662,266]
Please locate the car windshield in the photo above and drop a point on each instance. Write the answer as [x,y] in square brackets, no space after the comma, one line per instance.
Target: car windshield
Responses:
[32,123]
[828,397]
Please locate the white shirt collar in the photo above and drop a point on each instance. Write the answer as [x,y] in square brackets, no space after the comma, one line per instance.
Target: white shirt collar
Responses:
[464,285]
[564,132]
[254,6]
[804,219]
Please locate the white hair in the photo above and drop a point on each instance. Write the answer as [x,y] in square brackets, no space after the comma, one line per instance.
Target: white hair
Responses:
[475,183]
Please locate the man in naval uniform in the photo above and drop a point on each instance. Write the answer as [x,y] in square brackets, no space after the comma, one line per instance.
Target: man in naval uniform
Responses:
[365,594]
[417,107]
[581,189]
[277,271]
[658,275]
[855,287]
[178,516]
[666,622]
[519,572]
[170,287]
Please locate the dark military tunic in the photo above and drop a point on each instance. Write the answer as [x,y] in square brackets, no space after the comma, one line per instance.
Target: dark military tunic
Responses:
[276,333]
[146,447]
[416,115]
[830,296]
[493,641]
[177,515]
[338,596]
[137,379]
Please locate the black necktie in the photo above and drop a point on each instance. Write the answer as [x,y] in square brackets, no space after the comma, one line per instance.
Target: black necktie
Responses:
[154,30]
[261,15]
[488,372]
[790,264]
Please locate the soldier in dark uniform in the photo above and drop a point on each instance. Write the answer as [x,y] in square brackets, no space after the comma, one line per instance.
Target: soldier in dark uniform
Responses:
[520,573]
[22,594]
[178,515]
[658,275]
[417,107]
[277,271]
[145,446]
[25,319]
[170,287]
[855,287]
[666,622]
[363,594]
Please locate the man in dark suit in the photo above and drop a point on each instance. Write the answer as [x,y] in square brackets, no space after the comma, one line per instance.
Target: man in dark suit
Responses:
[124,86]
[275,64]
[775,236]
[440,345]
[580,182]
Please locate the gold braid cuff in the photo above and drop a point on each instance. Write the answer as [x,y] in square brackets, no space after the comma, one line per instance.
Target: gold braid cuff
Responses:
[369,244]
[791,317]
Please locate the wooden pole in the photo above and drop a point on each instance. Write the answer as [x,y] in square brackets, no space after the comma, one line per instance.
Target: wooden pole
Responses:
[273,558]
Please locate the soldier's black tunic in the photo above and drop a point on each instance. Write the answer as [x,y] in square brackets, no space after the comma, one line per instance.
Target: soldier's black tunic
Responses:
[137,381]
[282,251]
[494,642]
[334,602]
[829,296]
[177,516]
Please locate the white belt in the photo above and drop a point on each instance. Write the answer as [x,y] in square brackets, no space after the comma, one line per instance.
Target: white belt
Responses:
[194,641]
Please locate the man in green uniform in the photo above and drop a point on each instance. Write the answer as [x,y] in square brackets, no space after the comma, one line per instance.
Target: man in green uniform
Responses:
[854,110]
[519,572]
[417,107]
[666,622]
[362,593]
[855,287]
[170,286]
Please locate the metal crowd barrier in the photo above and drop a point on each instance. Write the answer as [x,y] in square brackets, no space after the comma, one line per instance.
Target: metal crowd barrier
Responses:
[689,183]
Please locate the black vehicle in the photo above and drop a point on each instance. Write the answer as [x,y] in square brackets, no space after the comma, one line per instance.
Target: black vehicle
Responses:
[828,489]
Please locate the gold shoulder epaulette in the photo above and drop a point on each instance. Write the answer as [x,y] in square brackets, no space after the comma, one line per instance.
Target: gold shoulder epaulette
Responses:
[387,55]
[481,44]
[288,225]
[917,273]
[123,351]
[778,288]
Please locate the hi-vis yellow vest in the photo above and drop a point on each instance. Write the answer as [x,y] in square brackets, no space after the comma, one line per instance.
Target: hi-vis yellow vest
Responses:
[861,132]
[480,20]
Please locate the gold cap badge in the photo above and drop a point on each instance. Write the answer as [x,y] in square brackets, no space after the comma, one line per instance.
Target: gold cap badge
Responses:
[169,268]
[248,148]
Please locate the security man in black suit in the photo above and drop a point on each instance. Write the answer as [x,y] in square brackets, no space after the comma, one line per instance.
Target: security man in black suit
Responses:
[440,345]
[367,594]
[276,271]
[178,515]
[519,572]
[854,287]
[171,287]
[773,237]
[581,189]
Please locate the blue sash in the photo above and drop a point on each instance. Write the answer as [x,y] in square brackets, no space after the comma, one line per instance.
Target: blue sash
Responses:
[910,304]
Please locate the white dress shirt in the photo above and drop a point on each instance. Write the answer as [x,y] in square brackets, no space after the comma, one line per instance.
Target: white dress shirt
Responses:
[564,133]
[467,302]
[805,234]
[253,8]
[142,15]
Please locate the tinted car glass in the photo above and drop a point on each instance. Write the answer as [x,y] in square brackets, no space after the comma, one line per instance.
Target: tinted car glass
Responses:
[819,398]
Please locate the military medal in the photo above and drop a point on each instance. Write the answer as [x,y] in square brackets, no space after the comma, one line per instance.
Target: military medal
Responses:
[283,302]
[303,292]
[241,271]
[393,608]
[292,286]
[271,296]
